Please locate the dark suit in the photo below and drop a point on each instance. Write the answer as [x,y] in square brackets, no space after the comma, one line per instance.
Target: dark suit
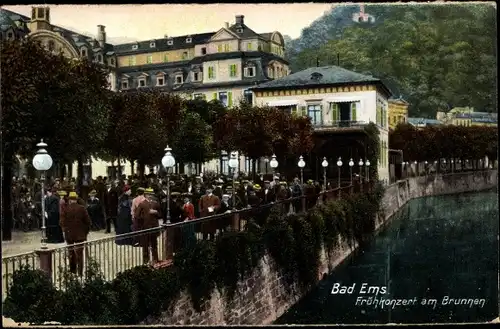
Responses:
[75,223]
[111,208]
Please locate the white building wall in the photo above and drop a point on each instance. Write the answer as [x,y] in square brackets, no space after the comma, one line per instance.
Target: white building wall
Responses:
[222,70]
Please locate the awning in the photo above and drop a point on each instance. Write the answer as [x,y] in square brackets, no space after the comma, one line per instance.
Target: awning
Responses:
[343,99]
[283,103]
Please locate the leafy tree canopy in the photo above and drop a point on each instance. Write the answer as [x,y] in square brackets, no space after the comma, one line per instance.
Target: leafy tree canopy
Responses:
[436,56]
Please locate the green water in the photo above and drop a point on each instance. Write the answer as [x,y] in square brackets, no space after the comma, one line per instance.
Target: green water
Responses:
[435,247]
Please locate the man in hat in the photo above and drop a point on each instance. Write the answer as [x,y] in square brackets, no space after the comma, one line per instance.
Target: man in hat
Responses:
[96,211]
[188,208]
[253,199]
[112,194]
[218,188]
[176,214]
[75,224]
[146,216]
[267,193]
[297,192]
[209,205]
[52,213]
[136,201]
[310,194]
[241,192]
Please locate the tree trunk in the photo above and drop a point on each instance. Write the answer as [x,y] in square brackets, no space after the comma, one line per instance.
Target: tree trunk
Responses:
[7,215]
[119,167]
[142,168]
[79,175]
[132,171]
[254,162]
[181,168]
[70,169]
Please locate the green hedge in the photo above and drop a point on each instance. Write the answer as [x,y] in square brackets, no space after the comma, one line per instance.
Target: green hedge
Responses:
[293,241]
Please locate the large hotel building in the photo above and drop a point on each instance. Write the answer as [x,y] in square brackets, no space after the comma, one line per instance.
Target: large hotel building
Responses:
[220,65]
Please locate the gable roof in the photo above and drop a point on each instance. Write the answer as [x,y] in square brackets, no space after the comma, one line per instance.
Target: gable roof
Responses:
[320,76]
[245,33]
[162,44]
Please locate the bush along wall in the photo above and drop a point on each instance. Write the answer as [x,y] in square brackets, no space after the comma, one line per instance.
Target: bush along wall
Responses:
[294,242]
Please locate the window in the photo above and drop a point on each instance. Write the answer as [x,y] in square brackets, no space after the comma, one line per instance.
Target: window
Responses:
[185,55]
[239,31]
[112,61]
[160,81]
[248,96]
[170,42]
[249,46]
[189,40]
[40,13]
[134,47]
[223,98]
[99,58]
[199,96]
[10,35]
[131,60]
[315,113]
[50,45]
[124,84]
[219,48]
[165,58]
[232,70]
[142,82]
[291,109]
[196,76]
[203,51]
[226,47]
[211,73]
[250,71]
[179,79]
[270,72]
[149,59]
[152,44]
[83,52]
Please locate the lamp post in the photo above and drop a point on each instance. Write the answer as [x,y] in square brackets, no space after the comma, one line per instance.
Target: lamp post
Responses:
[233,164]
[274,164]
[444,162]
[351,164]
[426,168]
[416,169]
[168,161]
[324,164]
[42,162]
[360,164]
[301,165]
[451,165]
[367,164]
[339,165]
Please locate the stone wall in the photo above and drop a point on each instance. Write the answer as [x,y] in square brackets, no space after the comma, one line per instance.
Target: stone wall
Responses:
[263,298]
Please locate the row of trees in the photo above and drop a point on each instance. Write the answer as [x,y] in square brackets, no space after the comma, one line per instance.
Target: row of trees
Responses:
[444,142]
[66,102]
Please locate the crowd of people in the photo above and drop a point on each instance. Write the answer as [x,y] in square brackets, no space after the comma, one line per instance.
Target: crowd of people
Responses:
[130,204]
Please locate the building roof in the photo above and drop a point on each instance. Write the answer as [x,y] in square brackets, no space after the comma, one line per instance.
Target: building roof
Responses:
[398,100]
[180,42]
[320,76]
[423,121]
[243,31]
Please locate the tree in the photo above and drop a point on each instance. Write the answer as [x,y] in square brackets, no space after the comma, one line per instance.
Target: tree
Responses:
[48,96]
[193,141]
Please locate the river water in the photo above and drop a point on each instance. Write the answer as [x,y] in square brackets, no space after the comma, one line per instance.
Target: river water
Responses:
[436,249]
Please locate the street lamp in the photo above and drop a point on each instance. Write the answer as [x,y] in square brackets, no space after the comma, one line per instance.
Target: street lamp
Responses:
[351,164]
[301,165]
[367,164]
[274,164]
[339,165]
[233,164]
[444,163]
[168,161]
[42,162]
[324,164]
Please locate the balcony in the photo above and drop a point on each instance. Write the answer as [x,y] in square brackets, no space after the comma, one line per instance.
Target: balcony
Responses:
[339,126]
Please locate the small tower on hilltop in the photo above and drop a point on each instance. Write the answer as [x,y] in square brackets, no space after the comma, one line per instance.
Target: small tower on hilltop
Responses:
[362,17]
[40,19]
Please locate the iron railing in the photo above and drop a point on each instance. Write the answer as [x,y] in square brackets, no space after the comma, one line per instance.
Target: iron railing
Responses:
[119,253]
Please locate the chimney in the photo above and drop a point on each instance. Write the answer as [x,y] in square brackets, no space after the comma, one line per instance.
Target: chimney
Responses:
[101,35]
[226,25]
[240,19]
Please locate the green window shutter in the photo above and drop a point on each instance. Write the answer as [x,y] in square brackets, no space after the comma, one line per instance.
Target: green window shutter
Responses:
[293,110]
[303,111]
[229,99]
[353,111]
[215,96]
[219,48]
[378,115]
[190,96]
[204,97]
[226,47]
[334,108]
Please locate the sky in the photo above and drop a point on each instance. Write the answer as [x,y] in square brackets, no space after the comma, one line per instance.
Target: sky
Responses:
[126,23]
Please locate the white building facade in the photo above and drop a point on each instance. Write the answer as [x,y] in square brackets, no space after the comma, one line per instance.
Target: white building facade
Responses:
[334,98]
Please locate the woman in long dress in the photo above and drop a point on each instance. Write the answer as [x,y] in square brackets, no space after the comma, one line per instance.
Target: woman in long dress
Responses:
[124,217]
